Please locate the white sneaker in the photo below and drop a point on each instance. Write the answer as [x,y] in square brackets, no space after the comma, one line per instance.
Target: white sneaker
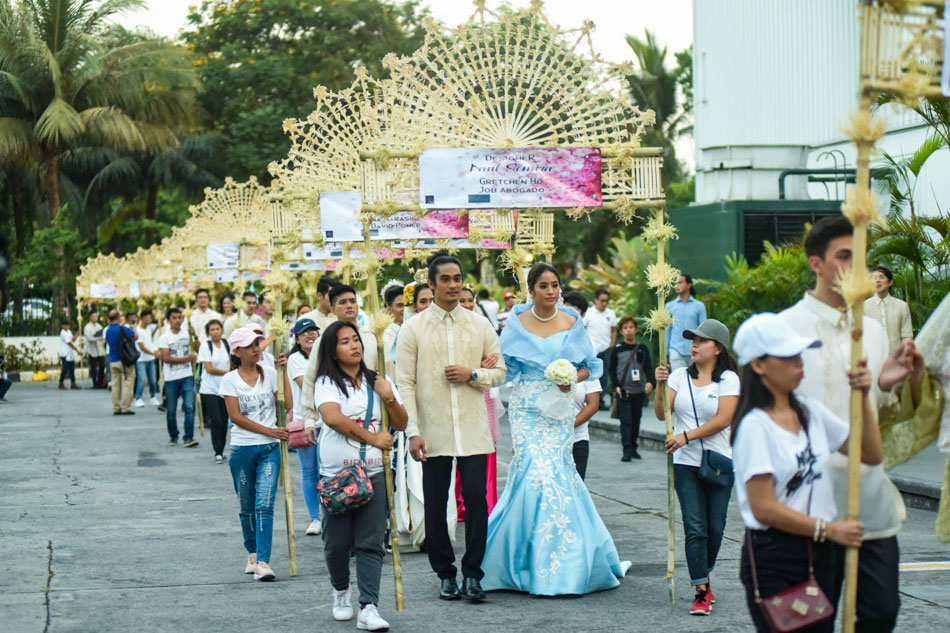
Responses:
[155,401]
[264,572]
[342,609]
[314,528]
[251,564]
[139,403]
[369,620]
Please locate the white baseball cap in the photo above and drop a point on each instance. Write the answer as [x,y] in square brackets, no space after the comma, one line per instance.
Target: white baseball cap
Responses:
[767,334]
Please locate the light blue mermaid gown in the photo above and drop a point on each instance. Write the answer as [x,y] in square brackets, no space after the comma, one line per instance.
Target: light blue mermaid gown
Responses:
[544,535]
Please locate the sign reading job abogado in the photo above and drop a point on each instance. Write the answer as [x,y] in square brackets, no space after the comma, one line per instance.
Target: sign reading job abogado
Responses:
[473,178]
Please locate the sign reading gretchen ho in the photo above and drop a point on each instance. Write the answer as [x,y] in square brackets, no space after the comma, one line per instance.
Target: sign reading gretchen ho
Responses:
[479,178]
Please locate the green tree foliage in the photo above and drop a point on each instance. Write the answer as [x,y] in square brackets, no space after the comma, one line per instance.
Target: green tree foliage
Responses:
[623,274]
[779,279]
[259,61]
[65,84]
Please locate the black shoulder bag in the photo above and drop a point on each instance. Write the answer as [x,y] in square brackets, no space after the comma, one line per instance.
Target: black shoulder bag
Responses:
[714,468]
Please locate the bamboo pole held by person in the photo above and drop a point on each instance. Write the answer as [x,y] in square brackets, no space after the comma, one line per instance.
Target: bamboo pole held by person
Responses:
[284,455]
[375,314]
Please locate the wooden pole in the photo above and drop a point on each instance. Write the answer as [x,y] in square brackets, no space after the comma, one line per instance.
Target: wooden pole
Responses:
[665,395]
[284,455]
[375,311]
[859,265]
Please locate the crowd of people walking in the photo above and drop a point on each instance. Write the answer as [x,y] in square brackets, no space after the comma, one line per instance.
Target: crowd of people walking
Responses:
[760,414]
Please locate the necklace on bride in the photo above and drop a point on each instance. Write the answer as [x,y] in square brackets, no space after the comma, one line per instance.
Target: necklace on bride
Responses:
[541,318]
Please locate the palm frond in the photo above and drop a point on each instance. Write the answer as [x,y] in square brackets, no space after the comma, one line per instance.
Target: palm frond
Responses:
[58,124]
[112,127]
[927,149]
[16,140]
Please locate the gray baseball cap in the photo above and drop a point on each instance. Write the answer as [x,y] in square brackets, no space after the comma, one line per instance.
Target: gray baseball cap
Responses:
[710,329]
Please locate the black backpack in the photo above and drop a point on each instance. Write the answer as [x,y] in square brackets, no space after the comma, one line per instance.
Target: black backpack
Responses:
[128,350]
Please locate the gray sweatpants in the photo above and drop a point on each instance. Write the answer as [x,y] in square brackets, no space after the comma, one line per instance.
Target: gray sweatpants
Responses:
[361,530]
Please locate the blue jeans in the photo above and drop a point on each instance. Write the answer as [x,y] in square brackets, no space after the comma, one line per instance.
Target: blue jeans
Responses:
[704,507]
[184,387]
[5,384]
[309,476]
[255,470]
[143,369]
[68,371]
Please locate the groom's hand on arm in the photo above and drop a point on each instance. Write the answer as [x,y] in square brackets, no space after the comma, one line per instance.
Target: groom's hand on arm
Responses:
[458,374]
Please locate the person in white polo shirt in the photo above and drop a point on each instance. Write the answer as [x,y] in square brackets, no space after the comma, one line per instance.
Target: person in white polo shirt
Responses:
[601,326]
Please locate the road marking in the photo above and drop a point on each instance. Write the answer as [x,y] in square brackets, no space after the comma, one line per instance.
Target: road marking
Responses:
[928,566]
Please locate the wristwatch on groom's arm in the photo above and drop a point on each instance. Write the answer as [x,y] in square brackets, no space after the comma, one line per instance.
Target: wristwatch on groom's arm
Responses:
[474,376]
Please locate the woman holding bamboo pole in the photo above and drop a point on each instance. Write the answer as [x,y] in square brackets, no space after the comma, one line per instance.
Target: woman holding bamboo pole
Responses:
[352,434]
[250,394]
[782,445]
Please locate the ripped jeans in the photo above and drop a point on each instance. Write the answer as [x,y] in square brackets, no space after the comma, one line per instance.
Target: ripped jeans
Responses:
[255,469]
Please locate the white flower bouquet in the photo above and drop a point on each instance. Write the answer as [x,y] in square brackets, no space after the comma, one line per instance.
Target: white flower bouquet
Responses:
[561,372]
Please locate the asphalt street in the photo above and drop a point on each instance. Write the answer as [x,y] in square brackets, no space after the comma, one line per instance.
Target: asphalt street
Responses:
[105,528]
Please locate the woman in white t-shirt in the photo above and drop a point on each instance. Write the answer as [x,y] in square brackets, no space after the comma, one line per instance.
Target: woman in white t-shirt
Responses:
[305,333]
[341,396]
[250,393]
[783,446]
[703,398]
[215,358]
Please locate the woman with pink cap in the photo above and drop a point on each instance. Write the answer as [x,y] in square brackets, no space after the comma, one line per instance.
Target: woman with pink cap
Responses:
[250,393]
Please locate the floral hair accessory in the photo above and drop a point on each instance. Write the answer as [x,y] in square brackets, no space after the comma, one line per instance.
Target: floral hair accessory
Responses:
[409,293]
[389,284]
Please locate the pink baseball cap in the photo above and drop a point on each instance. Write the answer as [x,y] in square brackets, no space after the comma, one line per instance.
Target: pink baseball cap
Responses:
[255,327]
[243,337]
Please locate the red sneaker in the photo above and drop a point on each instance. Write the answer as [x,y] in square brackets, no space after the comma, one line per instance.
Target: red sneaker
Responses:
[712,598]
[701,603]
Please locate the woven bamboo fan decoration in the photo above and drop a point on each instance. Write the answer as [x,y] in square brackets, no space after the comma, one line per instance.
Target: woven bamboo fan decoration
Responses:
[236,212]
[535,231]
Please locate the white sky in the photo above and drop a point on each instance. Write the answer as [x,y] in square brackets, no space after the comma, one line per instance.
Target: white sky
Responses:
[670,20]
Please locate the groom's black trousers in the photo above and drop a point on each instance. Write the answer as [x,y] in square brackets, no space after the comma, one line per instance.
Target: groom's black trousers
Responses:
[436,477]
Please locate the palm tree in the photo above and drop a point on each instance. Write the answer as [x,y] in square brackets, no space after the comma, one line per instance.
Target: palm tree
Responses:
[907,235]
[63,84]
[657,87]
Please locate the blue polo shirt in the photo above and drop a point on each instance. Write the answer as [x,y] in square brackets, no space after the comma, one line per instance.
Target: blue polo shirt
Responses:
[112,338]
[687,315]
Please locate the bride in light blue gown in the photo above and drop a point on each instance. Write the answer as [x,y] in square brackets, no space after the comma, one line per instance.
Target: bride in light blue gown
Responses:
[544,535]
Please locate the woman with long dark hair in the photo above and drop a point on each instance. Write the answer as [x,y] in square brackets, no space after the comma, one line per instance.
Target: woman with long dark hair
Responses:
[341,395]
[782,445]
[545,536]
[215,358]
[703,398]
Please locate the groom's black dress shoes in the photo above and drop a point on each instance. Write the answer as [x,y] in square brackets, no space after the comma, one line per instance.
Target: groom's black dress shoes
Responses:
[450,590]
[472,590]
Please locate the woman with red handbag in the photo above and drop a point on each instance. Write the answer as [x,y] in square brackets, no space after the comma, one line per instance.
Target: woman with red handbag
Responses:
[305,334]
[782,447]
[350,398]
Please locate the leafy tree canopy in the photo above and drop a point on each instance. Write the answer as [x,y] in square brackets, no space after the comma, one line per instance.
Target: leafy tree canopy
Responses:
[259,61]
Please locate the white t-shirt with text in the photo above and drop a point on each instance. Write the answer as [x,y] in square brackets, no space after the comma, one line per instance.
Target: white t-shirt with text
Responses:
[178,346]
[707,405]
[256,403]
[798,468]
[338,451]
[579,392]
[219,359]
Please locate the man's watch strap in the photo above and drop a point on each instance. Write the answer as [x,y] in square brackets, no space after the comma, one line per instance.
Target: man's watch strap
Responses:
[474,376]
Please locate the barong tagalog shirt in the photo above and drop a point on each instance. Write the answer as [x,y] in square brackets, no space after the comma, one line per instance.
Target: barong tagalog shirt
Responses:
[894,316]
[826,380]
[199,319]
[450,417]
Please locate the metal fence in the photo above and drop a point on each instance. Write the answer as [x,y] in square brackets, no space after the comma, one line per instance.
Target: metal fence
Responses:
[32,315]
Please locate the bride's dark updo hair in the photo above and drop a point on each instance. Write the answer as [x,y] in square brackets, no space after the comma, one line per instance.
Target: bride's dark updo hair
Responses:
[539,269]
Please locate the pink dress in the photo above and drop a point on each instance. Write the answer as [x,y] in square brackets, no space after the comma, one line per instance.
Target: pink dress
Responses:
[491,485]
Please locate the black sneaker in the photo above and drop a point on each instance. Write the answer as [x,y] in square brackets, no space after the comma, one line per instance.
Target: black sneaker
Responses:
[161,407]
[635,455]
[190,442]
[173,441]
[626,458]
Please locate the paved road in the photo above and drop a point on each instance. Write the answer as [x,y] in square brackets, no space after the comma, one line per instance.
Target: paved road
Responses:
[104,528]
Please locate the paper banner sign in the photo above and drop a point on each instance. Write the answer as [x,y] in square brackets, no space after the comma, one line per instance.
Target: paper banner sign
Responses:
[164,287]
[338,216]
[226,275]
[223,254]
[478,178]
[102,291]
[179,285]
[134,290]
[405,225]
[306,265]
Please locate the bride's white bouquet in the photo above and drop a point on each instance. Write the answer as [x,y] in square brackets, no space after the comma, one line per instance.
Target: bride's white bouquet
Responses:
[561,372]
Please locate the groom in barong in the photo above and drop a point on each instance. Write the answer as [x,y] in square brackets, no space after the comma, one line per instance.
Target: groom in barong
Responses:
[438,371]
